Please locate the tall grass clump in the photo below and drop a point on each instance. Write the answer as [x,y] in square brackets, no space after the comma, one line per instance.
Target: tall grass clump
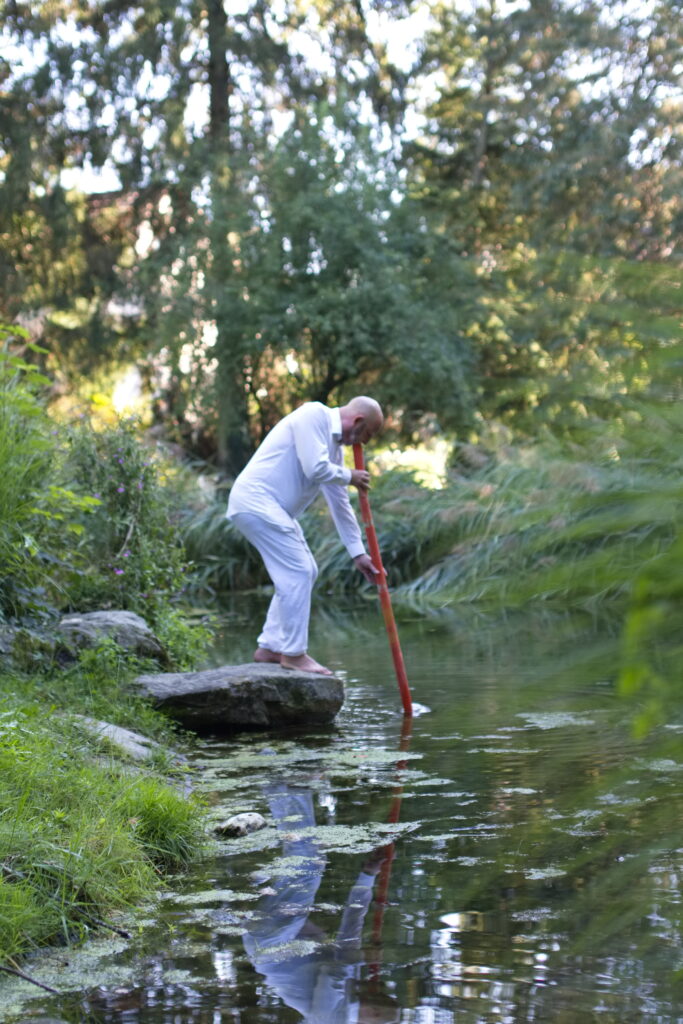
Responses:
[541,524]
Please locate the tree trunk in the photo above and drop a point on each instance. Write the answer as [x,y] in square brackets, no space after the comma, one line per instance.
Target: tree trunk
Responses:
[233,442]
[220,83]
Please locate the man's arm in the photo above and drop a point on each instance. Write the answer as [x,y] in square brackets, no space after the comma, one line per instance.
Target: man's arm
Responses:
[344,518]
[310,429]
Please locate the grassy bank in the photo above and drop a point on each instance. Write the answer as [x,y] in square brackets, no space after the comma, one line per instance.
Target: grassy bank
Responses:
[86,523]
[84,830]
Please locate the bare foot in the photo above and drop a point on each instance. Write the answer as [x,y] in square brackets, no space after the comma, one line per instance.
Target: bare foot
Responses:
[304,663]
[263,654]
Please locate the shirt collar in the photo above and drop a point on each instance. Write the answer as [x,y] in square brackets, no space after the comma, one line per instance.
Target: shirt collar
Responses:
[336,424]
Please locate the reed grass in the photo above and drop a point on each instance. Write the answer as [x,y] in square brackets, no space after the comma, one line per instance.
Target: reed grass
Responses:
[544,522]
[550,529]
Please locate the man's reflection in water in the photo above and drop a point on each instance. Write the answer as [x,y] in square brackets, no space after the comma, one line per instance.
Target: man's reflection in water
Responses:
[321,982]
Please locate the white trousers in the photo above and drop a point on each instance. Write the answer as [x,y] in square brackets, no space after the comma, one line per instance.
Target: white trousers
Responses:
[292,568]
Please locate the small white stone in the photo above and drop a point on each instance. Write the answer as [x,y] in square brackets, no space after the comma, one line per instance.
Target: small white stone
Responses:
[241,824]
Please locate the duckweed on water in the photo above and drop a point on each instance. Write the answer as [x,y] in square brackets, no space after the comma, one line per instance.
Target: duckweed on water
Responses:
[288,867]
[555,719]
[543,874]
[334,763]
[356,838]
[663,764]
[96,964]
[292,950]
[211,896]
[218,920]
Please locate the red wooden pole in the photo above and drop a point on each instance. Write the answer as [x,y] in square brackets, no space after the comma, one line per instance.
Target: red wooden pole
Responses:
[384,597]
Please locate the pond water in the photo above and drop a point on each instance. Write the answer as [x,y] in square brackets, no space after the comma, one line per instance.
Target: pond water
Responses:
[511,854]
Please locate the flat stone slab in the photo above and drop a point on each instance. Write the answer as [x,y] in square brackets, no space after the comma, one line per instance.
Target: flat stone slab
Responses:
[253,696]
[137,746]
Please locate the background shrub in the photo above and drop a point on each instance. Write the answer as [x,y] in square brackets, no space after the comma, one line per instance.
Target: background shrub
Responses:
[38,514]
[131,555]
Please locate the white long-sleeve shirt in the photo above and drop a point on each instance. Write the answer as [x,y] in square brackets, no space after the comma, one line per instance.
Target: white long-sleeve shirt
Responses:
[301,456]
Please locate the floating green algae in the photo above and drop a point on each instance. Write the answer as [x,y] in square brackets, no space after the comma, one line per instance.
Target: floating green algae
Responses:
[504,750]
[329,838]
[244,766]
[215,919]
[67,970]
[229,930]
[356,838]
[289,950]
[211,896]
[554,719]
[661,764]
[289,867]
[543,874]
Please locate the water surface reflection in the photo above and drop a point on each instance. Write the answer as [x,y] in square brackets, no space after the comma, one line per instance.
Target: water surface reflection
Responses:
[317,973]
[517,860]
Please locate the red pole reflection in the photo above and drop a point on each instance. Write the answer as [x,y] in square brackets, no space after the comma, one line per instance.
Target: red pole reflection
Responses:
[389,851]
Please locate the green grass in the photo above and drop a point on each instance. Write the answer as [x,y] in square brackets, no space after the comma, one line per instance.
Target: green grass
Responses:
[81,833]
[83,830]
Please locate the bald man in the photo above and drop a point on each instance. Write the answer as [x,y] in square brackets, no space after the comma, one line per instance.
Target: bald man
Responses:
[301,456]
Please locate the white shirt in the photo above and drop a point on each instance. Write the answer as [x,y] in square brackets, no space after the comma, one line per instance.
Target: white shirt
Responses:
[301,456]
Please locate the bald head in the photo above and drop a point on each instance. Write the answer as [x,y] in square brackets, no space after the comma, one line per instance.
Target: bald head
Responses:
[361,419]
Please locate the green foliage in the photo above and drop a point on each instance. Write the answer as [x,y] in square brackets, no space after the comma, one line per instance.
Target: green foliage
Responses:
[25,456]
[34,507]
[549,127]
[571,343]
[361,301]
[108,539]
[186,642]
[82,260]
[504,260]
[131,553]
